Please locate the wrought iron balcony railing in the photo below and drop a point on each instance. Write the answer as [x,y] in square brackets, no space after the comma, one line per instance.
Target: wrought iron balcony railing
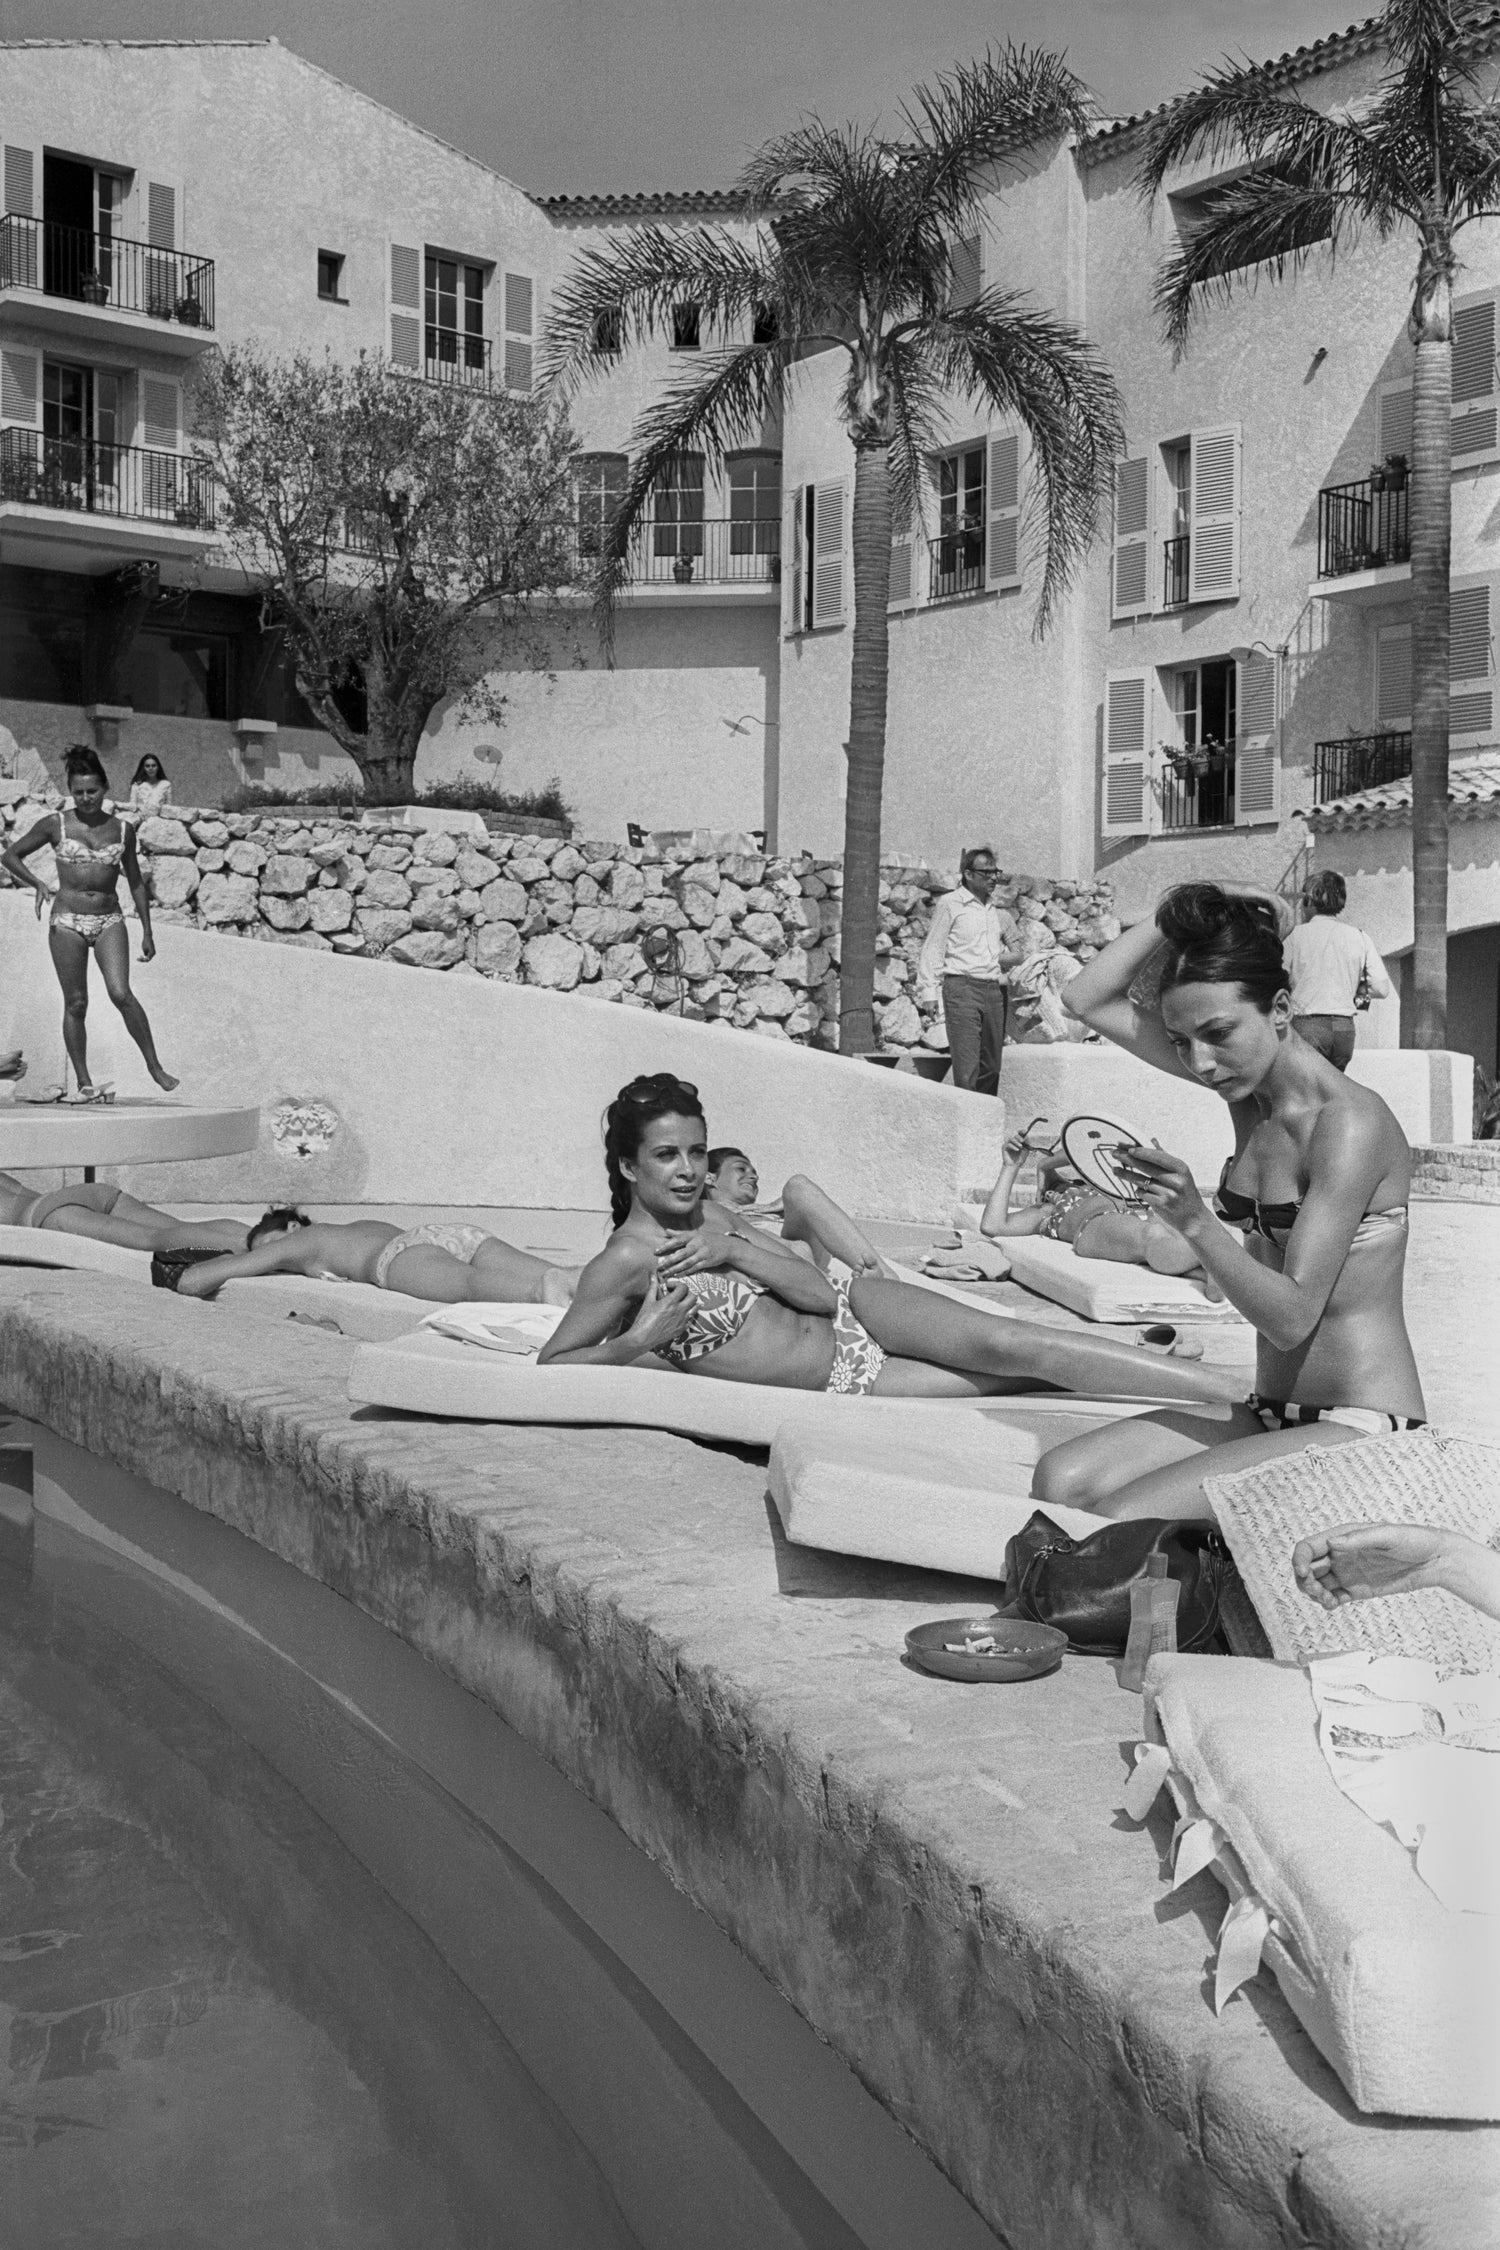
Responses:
[107,480]
[454,356]
[1363,761]
[958,561]
[1197,793]
[1175,555]
[103,269]
[716,551]
[1362,526]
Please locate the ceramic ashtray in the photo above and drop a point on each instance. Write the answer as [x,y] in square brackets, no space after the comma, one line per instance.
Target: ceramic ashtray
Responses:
[986,1648]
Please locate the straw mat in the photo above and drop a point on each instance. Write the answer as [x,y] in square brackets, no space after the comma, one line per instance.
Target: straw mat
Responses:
[1417,1477]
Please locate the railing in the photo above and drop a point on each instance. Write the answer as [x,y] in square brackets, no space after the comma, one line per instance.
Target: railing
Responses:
[102,269]
[1198,800]
[106,480]
[719,551]
[1362,527]
[1362,761]
[958,563]
[1175,552]
[454,356]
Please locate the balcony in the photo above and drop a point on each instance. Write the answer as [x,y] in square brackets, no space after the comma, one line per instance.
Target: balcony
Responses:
[722,553]
[1364,544]
[1174,586]
[68,493]
[1195,788]
[958,562]
[1364,761]
[454,356]
[102,287]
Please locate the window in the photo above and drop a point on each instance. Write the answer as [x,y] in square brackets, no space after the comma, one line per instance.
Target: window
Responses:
[685,328]
[958,556]
[1178,463]
[816,573]
[677,530]
[755,504]
[41,655]
[454,309]
[1192,207]
[764,328]
[331,277]
[601,487]
[1191,489]
[1197,786]
[608,332]
[179,675]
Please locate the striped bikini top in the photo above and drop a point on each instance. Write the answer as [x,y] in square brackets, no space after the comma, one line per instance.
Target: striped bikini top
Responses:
[722,1303]
[1275,1221]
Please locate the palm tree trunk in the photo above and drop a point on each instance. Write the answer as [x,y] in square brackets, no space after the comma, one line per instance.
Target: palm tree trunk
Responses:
[865,749]
[1431,531]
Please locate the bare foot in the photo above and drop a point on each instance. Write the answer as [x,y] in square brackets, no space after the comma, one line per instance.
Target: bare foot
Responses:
[163,1078]
[13,1065]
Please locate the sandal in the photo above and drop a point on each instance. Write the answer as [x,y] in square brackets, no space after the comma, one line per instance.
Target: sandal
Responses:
[1162,1337]
[89,1097]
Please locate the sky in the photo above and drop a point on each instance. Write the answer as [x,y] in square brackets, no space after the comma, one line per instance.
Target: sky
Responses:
[604,96]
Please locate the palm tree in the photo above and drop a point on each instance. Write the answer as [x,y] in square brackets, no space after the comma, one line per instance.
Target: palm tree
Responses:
[854,248]
[1424,159]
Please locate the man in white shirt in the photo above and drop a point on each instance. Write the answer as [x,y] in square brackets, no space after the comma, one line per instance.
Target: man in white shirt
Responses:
[1327,961]
[965,951]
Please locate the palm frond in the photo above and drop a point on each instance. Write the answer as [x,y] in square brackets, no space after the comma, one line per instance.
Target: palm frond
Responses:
[1259,225]
[1009,358]
[1238,115]
[985,114]
[921,414]
[634,284]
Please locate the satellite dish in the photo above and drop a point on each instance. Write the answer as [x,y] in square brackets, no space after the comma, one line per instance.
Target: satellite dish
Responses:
[1093,1144]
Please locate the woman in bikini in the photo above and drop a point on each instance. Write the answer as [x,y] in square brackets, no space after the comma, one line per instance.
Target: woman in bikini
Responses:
[92,846]
[107,1214]
[686,1284]
[1097,1226]
[1317,1187]
[449,1265]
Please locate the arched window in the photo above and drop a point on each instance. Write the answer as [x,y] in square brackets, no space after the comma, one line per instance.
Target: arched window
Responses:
[677,525]
[755,504]
[601,487]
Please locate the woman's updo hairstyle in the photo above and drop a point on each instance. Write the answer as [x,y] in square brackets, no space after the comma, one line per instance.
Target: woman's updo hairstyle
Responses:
[1215,938]
[80,759]
[633,1109]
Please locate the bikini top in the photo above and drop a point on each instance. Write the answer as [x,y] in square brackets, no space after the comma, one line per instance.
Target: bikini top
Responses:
[98,855]
[1275,1221]
[722,1304]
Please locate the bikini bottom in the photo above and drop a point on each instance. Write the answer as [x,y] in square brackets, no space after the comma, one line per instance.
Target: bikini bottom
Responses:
[90,927]
[459,1242]
[93,1195]
[857,1358]
[1288,1414]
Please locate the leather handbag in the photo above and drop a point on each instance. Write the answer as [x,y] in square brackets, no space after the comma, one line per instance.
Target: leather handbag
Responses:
[1082,1586]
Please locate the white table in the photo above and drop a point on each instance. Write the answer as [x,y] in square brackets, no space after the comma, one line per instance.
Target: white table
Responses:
[34,1135]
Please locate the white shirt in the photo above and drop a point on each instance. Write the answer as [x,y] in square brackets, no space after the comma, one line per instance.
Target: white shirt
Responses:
[1325,959]
[965,940]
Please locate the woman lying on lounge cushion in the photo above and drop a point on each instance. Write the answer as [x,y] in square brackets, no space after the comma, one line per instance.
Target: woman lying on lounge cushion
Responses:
[1069,1210]
[684,1283]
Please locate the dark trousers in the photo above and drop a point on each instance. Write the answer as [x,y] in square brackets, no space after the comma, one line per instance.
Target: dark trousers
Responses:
[1333,1036]
[974,1010]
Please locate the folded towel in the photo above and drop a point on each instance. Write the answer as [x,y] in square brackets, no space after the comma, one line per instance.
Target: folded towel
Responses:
[968,1258]
[518,1329]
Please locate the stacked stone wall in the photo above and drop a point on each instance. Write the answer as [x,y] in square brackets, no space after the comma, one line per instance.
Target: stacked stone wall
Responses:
[719,935]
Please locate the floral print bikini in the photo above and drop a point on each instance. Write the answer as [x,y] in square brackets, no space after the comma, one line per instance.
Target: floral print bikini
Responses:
[90,927]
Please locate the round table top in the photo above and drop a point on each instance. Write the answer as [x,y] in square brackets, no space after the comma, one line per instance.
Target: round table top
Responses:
[38,1135]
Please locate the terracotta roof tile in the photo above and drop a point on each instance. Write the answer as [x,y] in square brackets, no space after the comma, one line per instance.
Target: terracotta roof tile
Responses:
[1473,794]
[674,203]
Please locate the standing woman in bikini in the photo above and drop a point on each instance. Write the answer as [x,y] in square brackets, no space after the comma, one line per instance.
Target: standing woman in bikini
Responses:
[1317,1185]
[684,1283]
[92,846]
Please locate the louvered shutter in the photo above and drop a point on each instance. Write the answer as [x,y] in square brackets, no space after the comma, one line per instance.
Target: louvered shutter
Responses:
[163,214]
[1214,548]
[1257,750]
[1476,422]
[1393,676]
[404,284]
[20,387]
[1395,421]
[829,568]
[903,590]
[796,519]
[1131,579]
[1125,795]
[161,415]
[520,316]
[1471,690]
[161,221]
[19,258]
[1002,554]
[967,261]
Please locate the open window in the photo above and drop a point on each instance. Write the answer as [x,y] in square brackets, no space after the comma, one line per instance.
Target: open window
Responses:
[1195,207]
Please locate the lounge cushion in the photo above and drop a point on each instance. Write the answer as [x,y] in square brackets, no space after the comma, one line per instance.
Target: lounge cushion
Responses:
[1097,1289]
[1397,1991]
[45,1246]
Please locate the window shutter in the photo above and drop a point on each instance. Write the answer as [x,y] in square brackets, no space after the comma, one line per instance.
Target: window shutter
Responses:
[1395,420]
[519,329]
[1131,580]
[19,264]
[20,182]
[1214,549]
[966,257]
[1125,809]
[829,571]
[1002,560]
[1471,692]
[796,519]
[20,387]
[1393,676]
[163,214]
[404,269]
[1257,753]
[161,415]
[903,580]
[1476,426]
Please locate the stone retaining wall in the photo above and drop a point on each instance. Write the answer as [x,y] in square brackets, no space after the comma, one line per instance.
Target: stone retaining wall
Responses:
[721,936]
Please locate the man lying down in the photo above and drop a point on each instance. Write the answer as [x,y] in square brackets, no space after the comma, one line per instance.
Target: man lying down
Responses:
[450,1265]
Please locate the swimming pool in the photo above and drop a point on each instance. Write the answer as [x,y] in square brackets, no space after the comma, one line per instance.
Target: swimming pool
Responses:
[299,1944]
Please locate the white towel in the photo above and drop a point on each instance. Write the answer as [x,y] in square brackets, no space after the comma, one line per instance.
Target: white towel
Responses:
[518,1329]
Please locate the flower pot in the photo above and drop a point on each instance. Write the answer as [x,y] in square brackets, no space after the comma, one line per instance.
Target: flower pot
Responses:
[1377,480]
[95,291]
[682,570]
[189,312]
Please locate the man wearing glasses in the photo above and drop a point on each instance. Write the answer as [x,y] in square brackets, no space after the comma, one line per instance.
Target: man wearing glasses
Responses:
[965,949]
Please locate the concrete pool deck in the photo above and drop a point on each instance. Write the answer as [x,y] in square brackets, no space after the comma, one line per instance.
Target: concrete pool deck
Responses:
[938,1877]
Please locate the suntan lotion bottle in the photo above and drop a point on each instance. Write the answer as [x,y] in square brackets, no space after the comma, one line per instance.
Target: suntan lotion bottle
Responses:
[1153,1622]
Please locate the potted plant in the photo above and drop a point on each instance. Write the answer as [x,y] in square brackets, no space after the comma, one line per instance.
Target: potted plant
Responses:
[1377,476]
[95,291]
[682,570]
[189,311]
[1395,472]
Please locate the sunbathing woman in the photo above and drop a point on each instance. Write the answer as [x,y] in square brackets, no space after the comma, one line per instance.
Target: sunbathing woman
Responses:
[1098,1226]
[1317,1184]
[684,1284]
[811,1222]
[93,847]
[451,1265]
[108,1214]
